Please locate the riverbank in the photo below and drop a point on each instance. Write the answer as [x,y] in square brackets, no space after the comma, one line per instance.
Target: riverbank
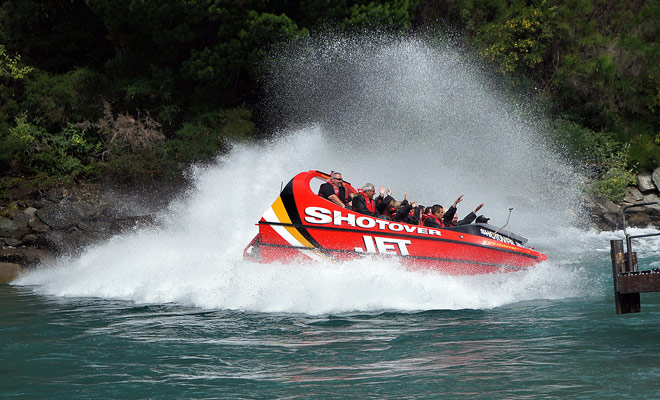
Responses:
[605,215]
[41,222]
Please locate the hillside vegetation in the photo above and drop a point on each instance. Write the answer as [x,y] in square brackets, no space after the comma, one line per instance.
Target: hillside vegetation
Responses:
[139,89]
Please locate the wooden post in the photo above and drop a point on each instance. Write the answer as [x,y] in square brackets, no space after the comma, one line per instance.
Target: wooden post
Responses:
[626,302]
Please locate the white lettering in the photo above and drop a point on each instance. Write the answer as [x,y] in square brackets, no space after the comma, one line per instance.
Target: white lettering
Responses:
[320,216]
[381,224]
[410,228]
[317,215]
[349,219]
[386,245]
[497,236]
[368,245]
[365,222]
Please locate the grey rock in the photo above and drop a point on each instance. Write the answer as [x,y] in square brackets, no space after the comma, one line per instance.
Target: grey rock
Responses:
[21,221]
[69,242]
[10,241]
[652,198]
[611,207]
[30,212]
[639,220]
[29,240]
[635,195]
[8,227]
[38,226]
[65,214]
[656,178]
[25,255]
[41,203]
[55,194]
[13,210]
[645,182]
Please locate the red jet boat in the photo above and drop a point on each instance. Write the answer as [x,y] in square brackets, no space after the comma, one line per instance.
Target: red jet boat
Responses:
[302,226]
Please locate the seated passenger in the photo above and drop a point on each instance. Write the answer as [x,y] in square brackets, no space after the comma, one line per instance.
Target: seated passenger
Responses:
[334,190]
[425,214]
[434,219]
[364,202]
[468,219]
[438,218]
[482,220]
[399,210]
[414,216]
[382,201]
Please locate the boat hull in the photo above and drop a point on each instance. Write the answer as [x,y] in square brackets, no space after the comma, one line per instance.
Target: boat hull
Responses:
[300,227]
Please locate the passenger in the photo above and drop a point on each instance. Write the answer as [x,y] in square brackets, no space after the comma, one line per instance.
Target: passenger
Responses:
[482,220]
[334,190]
[468,219]
[425,215]
[399,210]
[434,219]
[382,201]
[364,202]
[414,216]
[440,219]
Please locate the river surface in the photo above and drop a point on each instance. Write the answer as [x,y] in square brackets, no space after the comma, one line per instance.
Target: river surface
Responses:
[173,311]
[548,333]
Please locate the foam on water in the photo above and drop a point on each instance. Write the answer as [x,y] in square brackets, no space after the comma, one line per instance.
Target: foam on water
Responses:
[397,112]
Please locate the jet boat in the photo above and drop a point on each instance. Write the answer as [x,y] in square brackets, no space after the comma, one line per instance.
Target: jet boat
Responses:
[302,226]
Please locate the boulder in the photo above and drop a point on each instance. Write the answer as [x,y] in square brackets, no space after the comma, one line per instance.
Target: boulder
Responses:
[9,272]
[8,227]
[10,241]
[65,214]
[645,182]
[70,241]
[639,220]
[25,255]
[634,196]
[656,178]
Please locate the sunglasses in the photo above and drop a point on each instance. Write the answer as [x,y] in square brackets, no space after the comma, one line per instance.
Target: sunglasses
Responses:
[338,179]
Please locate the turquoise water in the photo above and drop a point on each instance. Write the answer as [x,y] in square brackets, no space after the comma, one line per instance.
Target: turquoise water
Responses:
[56,346]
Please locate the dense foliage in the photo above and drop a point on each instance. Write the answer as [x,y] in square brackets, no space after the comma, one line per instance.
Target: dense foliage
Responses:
[140,88]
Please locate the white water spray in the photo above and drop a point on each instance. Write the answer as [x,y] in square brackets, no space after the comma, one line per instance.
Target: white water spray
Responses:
[396,112]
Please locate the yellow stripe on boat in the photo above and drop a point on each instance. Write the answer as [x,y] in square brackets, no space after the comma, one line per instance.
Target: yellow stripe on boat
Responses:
[283,217]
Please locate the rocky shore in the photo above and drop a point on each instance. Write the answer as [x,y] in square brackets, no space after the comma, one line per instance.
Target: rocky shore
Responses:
[39,224]
[606,215]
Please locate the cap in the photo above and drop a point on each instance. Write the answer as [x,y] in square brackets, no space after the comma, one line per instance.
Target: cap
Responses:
[482,220]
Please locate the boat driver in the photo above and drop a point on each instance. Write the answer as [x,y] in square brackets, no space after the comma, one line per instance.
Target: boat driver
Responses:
[334,190]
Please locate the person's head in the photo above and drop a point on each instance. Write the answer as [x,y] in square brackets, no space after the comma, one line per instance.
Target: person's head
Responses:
[427,210]
[455,219]
[337,178]
[437,210]
[482,220]
[393,206]
[369,190]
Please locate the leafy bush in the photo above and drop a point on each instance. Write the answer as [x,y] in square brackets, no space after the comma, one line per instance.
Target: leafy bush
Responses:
[55,100]
[209,134]
[31,149]
[11,66]
[613,184]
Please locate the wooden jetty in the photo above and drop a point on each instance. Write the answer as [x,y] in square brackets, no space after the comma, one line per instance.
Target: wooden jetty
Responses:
[629,281]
